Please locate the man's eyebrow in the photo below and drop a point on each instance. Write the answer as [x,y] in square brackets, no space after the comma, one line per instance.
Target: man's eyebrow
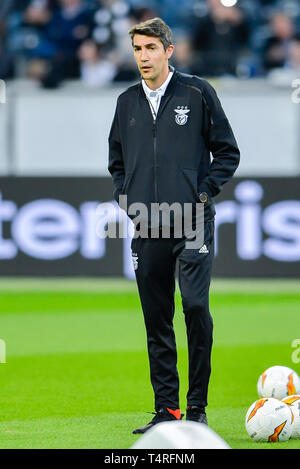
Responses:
[146,45]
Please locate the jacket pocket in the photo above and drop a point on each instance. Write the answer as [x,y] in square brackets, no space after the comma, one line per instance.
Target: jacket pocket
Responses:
[127,182]
[190,193]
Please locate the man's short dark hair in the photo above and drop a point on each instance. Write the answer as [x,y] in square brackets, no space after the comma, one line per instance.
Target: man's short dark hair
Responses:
[155,27]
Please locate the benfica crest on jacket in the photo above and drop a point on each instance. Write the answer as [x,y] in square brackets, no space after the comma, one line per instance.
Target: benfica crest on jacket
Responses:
[181,116]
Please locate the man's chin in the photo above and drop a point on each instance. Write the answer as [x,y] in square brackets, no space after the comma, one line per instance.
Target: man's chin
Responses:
[147,75]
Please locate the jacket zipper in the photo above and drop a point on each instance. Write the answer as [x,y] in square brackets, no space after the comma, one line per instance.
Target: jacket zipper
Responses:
[155,159]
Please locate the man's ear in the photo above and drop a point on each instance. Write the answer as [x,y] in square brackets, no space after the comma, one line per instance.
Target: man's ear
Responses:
[169,51]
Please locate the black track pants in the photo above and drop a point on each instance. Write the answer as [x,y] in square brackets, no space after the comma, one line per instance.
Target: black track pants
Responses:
[155,261]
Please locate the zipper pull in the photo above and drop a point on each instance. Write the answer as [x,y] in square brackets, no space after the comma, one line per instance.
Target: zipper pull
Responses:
[154,128]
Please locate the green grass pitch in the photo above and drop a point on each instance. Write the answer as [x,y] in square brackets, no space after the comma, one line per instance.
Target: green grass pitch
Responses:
[76,373]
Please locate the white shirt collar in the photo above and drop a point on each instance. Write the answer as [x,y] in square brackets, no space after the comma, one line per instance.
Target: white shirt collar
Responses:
[161,90]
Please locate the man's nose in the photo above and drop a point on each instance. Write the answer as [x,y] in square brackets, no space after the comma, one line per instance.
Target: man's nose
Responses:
[144,55]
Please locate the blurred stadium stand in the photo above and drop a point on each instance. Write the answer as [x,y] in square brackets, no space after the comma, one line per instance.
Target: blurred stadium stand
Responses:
[54,40]
[81,51]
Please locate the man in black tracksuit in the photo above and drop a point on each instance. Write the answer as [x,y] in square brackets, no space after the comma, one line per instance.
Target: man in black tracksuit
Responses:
[164,130]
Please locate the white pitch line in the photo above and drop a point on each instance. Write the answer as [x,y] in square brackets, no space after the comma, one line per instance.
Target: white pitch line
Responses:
[116,285]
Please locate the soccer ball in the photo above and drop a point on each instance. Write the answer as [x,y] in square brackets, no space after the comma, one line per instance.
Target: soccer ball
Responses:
[294,403]
[278,382]
[270,420]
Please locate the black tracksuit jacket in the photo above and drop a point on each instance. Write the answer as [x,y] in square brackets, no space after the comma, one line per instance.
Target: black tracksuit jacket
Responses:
[163,161]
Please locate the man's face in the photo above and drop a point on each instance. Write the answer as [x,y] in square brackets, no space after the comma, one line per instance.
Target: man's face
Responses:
[151,57]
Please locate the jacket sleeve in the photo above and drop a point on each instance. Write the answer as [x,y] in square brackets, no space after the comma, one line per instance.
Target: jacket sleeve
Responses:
[116,163]
[220,141]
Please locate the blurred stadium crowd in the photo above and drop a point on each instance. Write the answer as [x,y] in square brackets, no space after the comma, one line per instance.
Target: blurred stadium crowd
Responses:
[56,40]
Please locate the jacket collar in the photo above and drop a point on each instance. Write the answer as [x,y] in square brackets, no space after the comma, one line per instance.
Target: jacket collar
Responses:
[161,90]
[173,80]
